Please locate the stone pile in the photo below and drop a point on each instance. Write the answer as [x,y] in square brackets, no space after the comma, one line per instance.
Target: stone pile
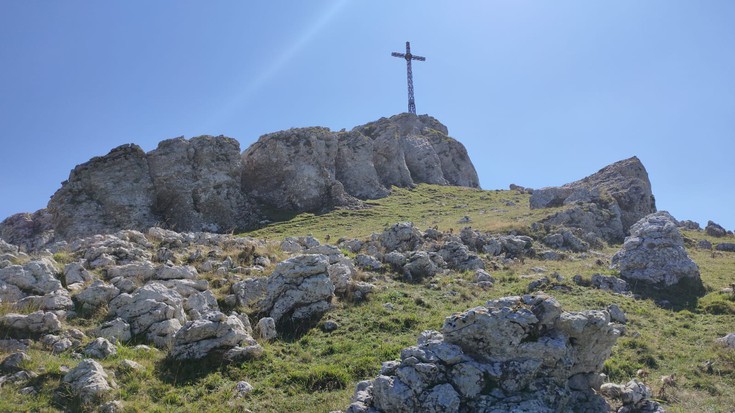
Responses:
[520,354]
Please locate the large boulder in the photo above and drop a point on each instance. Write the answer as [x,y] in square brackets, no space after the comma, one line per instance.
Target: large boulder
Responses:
[33,277]
[622,188]
[654,254]
[215,333]
[513,354]
[299,291]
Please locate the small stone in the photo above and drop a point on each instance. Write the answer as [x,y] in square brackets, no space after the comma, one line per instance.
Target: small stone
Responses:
[330,326]
[617,314]
[266,328]
[14,362]
[243,388]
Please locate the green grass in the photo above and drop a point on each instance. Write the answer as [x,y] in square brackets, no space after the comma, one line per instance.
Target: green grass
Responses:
[318,371]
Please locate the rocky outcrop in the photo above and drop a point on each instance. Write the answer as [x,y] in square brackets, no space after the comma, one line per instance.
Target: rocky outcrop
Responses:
[714,229]
[89,382]
[654,254]
[299,291]
[513,354]
[313,169]
[30,325]
[634,396]
[197,184]
[215,333]
[607,203]
[205,184]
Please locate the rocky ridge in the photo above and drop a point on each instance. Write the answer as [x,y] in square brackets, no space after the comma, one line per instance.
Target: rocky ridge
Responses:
[206,184]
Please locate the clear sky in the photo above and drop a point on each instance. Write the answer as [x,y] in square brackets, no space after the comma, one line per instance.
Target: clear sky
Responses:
[541,93]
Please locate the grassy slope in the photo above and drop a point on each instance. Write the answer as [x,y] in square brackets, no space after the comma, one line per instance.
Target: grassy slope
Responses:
[318,372]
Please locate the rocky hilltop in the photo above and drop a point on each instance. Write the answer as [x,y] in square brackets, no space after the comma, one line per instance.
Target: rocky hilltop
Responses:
[206,184]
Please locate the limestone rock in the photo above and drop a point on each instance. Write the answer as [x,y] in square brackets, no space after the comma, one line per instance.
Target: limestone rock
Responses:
[635,397]
[401,237]
[100,348]
[89,382]
[727,341]
[35,277]
[198,338]
[266,328]
[148,306]
[99,293]
[26,325]
[715,230]
[623,188]
[54,301]
[105,194]
[30,231]
[249,291]
[529,354]
[654,254]
[419,265]
[299,290]
[354,166]
[14,362]
[197,184]
[725,246]
[295,170]
[116,330]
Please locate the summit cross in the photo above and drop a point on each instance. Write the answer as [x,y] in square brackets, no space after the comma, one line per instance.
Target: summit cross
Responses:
[408,56]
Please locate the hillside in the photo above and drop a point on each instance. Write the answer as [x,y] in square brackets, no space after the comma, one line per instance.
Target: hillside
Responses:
[317,370]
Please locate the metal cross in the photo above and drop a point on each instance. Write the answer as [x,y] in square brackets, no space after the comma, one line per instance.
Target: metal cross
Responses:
[408,56]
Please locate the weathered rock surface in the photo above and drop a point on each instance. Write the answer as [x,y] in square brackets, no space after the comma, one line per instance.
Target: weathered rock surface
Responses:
[197,184]
[34,277]
[217,332]
[154,310]
[654,254]
[514,354]
[89,382]
[100,348]
[299,290]
[714,229]
[609,201]
[29,325]
[14,362]
[634,396]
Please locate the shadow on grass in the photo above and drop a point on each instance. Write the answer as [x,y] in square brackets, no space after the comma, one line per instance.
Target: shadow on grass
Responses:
[684,295]
[185,372]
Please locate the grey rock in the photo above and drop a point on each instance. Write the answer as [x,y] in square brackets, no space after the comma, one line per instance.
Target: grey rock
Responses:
[176,272]
[295,170]
[345,286]
[130,365]
[354,166]
[249,291]
[198,184]
[703,244]
[458,257]
[715,230]
[14,362]
[536,358]
[162,333]
[616,314]
[10,345]
[266,328]
[89,382]
[199,338]
[634,396]
[727,341]
[105,194]
[151,304]
[24,325]
[611,283]
[116,330]
[689,225]
[401,237]
[299,289]
[368,262]
[30,231]
[35,277]
[654,254]
[98,294]
[100,348]
[75,273]
[54,301]
[725,246]
[622,187]
[114,406]
[419,265]
[243,388]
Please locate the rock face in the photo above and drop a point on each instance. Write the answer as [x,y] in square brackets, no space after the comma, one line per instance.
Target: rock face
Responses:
[197,184]
[654,254]
[205,184]
[312,169]
[620,195]
[513,354]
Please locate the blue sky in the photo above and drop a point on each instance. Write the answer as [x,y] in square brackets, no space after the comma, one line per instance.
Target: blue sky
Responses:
[541,93]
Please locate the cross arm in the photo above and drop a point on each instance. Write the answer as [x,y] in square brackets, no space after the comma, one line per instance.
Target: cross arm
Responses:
[420,58]
[396,54]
